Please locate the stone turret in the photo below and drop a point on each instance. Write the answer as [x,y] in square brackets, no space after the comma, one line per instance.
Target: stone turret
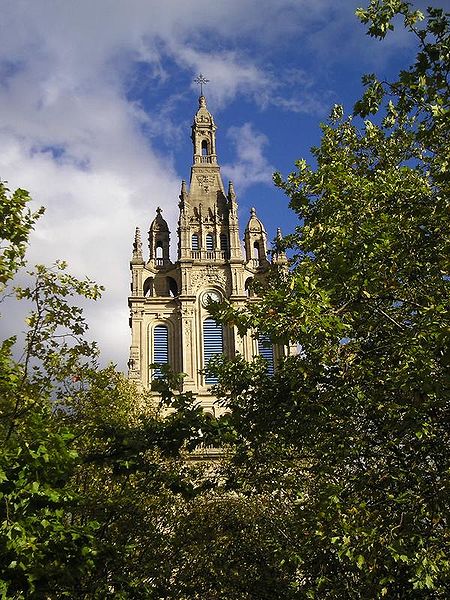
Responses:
[255,239]
[159,240]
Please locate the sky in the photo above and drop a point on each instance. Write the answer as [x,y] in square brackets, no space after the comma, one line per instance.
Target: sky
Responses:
[97,99]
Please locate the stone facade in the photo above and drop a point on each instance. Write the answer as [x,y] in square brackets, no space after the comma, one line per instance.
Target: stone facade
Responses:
[168,303]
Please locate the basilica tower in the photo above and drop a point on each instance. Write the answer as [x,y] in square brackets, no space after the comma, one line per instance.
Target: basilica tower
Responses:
[169,317]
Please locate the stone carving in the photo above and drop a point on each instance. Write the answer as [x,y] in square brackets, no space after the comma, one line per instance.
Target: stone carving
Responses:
[211,275]
[187,332]
[134,364]
[206,181]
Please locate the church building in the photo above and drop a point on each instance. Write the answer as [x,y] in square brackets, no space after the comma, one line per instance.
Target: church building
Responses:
[169,317]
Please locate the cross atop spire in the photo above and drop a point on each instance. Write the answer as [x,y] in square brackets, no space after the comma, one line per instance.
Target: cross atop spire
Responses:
[201,81]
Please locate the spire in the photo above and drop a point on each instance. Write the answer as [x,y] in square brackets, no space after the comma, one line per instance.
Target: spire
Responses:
[137,247]
[204,135]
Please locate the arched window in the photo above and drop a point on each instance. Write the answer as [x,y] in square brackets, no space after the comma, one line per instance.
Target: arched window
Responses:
[205,148]
[194,241]
[265,349]
[212,344]
[159,249]
[256,250]
[209,242]
[160,348]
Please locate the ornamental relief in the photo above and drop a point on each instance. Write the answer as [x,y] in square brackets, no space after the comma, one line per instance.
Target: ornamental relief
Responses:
[206,181]
[187,332]
[208,275]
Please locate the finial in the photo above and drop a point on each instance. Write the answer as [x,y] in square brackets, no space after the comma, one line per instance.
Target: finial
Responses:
[231,194]
[278,254]
[182,196]
[252,212]
[201,81]
[137,245]
[158,211]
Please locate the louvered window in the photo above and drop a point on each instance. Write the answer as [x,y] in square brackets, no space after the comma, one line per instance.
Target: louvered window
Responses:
[212,344]
[209,242]
[160,348]
[223,242]
[265,349]
[195,245]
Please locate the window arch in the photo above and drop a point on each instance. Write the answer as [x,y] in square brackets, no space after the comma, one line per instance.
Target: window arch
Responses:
[205,148]
[247,286]
[172,287]
[148,287]
[265,349]
[256,250]
[160,348]
[159,249]
[212,344]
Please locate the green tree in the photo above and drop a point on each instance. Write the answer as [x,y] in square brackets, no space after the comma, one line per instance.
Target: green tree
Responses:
[355,428]
[41,553]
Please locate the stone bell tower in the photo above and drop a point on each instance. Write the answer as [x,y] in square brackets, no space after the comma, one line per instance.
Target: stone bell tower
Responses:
[169,319]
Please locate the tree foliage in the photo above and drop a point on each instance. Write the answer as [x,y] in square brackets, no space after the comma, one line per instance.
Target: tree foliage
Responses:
[333,479]
[355,428]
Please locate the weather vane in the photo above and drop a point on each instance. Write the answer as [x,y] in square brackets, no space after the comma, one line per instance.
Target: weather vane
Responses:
[201,81]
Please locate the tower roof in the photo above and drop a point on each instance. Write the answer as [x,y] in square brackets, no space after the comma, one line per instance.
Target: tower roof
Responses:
[254,224]
[158,223]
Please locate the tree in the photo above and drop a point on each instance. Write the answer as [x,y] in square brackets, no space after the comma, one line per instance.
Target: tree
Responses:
[41,553]
[355,428]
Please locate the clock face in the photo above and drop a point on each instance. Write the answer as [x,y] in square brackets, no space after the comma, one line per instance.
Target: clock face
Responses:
[210,296]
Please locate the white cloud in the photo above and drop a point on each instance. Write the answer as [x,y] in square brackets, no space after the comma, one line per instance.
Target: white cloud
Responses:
[251,165]
[70,135]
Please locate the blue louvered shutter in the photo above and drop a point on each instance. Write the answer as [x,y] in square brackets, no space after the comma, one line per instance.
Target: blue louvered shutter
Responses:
[265,349]
[209,242]
[212,344]
[160,348]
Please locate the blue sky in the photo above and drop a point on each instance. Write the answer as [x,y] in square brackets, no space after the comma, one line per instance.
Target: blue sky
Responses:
[97,99]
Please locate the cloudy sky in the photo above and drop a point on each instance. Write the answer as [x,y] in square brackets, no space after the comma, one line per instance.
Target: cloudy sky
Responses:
[97,98]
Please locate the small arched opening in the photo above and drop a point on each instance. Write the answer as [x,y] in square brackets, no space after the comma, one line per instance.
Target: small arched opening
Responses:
[248,286]
[159,250]
[172,287]
[205,148]
[148,287]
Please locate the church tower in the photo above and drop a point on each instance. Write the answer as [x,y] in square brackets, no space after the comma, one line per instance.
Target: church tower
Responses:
[169,317]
